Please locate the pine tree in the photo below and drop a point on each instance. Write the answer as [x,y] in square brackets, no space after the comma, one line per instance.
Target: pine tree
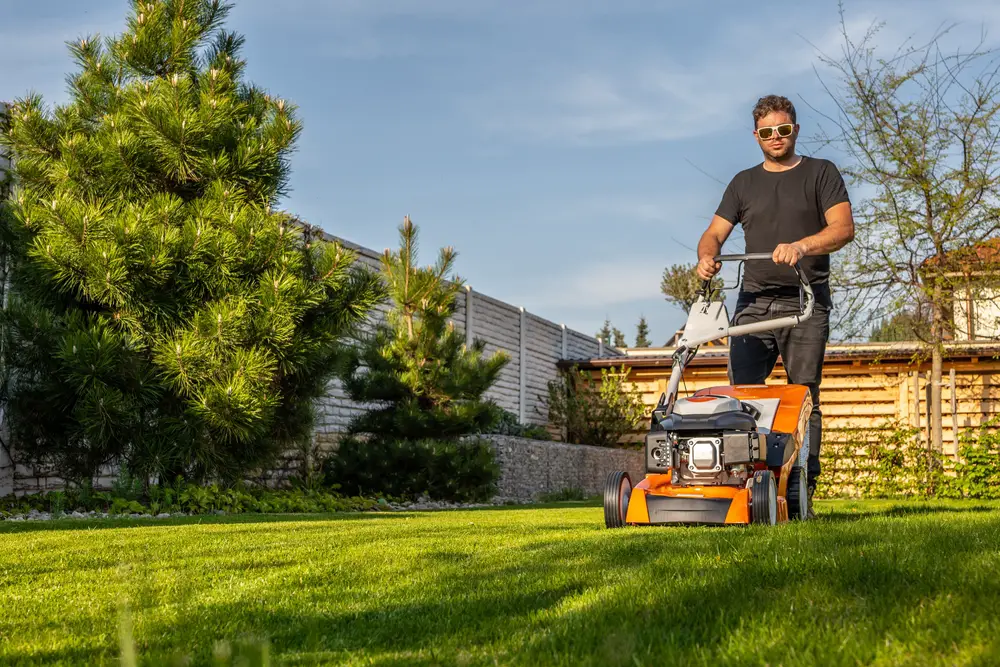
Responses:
[642,333]
[163,313]
[604,333]
[611,335]
[415,368]
[618,338]
[425,388]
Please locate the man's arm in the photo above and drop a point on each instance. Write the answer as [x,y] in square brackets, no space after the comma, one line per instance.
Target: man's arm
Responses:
[839,231]
[710,245]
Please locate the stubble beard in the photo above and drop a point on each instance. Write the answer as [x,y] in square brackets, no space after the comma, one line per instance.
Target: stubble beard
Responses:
[780,154]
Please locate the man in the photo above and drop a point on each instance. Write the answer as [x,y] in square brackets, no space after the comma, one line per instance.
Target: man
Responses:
[798,209]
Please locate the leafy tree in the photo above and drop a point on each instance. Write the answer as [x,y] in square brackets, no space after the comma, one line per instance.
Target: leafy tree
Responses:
[642,333]
[592,412]
[919,129]
[163,314]
[680,285]
[906,325]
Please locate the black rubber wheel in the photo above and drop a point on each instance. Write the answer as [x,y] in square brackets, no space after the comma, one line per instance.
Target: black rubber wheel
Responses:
[617,491]
[798,495]
[764,498]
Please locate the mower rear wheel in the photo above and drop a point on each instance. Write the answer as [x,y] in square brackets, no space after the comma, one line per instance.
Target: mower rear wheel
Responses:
[798,494]
[617,492]
[764,498]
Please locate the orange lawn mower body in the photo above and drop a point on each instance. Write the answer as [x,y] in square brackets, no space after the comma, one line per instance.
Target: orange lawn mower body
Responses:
[727,454]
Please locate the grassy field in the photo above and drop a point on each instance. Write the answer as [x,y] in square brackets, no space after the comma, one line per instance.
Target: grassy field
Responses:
[867,583]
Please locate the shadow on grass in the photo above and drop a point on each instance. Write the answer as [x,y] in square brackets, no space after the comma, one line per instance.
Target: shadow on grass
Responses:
[8,526]
[840,515]
[201,519]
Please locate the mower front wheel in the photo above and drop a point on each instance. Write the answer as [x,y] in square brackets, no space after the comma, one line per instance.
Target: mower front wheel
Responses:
[617,492]
[764,498]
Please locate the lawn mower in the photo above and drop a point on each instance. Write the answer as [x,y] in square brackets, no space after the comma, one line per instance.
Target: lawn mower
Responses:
[724,455]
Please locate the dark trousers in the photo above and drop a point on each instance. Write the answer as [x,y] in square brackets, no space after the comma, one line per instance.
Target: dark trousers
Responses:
[802,349]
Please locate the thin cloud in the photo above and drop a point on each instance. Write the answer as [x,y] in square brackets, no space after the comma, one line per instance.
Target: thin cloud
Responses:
[661,99]
[633,102]
[597,286]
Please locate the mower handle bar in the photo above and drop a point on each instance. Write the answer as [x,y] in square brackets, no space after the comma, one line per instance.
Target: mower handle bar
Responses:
[806,298]
[684,355]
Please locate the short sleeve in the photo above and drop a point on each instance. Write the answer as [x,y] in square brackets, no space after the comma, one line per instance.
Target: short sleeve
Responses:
[832,190]
[731,207]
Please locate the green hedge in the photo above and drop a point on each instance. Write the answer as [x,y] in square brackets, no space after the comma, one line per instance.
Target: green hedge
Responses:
[891,460]
[186,498]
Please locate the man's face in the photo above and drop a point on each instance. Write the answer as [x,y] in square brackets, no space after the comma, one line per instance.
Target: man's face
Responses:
[775,145]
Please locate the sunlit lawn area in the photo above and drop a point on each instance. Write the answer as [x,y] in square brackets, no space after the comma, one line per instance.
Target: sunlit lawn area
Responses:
[868,583]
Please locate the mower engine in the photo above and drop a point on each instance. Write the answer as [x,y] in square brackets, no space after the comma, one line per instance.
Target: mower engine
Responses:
[706,441]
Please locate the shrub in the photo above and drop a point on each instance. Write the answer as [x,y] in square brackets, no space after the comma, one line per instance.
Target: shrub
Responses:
[977,473]
[507,423]
[592,413]
[187,498]
[891,461]
[563,495]
[458,471]
[886,460]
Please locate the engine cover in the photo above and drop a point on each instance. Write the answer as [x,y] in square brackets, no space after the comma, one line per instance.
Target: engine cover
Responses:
[708,413]
[706,405]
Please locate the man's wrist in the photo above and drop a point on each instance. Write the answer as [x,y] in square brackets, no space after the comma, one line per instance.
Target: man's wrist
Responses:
[802,247]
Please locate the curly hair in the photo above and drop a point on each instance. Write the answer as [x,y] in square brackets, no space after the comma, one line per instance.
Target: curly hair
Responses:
[770,103]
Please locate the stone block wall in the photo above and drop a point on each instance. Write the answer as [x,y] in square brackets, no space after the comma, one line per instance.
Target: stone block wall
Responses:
[530,468]
[6,473]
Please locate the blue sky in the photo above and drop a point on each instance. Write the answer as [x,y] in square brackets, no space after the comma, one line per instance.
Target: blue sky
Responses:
[568,149]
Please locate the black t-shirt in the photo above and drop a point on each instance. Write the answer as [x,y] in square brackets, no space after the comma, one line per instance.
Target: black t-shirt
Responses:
[782,207]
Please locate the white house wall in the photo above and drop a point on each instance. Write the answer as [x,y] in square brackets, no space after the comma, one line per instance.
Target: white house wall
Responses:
[985,310]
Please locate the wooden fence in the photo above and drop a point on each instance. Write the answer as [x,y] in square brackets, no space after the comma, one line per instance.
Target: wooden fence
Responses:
[865,387]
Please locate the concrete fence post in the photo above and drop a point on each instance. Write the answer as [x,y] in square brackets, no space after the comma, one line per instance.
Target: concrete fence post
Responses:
[523,367]
[468,316]
[6,463]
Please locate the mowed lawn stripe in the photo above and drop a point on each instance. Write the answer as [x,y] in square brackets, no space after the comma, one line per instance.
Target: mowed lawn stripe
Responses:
[868,583]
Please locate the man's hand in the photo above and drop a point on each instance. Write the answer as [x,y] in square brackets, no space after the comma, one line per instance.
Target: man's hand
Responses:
[710,245]
[708,267]
[788,253]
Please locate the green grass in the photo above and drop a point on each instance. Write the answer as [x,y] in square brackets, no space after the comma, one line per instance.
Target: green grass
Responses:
[876,583]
